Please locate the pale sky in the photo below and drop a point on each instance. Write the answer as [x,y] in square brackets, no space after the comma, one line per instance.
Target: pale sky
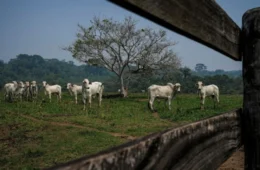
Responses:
[42,27]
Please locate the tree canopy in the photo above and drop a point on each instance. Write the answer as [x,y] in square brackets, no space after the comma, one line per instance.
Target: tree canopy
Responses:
[123,49]
[200,67]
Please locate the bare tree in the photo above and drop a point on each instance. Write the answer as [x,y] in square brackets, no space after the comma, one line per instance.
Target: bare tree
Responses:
[123,49]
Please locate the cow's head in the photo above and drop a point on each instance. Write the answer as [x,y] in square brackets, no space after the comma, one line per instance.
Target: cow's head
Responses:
[69,85]
[21,84]
[199,85]
[27,84]
[85,83]
[177,87]
[44,83]
[33,83]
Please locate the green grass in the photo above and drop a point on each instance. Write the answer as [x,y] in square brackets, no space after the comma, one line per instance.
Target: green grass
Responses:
[42,134]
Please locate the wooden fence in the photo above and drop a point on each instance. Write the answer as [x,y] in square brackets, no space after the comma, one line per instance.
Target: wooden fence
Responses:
[208,143]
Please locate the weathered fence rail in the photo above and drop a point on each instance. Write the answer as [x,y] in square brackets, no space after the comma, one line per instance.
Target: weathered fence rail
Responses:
[201,20]
[200,145]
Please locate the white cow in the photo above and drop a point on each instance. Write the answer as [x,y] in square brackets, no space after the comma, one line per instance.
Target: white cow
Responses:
[27,92]
[9,90]
[209,90]
[52,89]
[90,89]
[166,92]
[69,88]
[34,90]
[20,90]
[74,90]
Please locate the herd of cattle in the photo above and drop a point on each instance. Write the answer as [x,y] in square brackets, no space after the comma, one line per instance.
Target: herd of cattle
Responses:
[29,91]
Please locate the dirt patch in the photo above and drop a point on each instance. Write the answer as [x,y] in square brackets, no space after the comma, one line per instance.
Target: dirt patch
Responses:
[52,123]
[142,100]
[235,162]
[123,136]
[156,115]
[128,137]
[58,115]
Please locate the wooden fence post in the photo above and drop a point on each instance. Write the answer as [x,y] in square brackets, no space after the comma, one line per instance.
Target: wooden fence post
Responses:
[251,74]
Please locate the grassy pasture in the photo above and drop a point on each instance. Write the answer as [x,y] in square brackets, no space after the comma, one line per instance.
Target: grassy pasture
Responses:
[42,134]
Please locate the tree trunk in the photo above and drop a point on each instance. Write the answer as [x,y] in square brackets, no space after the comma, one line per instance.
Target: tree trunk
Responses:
[124,90]
[251,74]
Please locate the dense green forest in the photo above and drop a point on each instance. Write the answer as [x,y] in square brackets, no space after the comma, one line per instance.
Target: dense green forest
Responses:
[34,67]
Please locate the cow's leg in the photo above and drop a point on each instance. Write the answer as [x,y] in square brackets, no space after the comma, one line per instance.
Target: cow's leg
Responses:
[217,97]
[100,98]
[151,103]
[202,102]
[50,96]
[84,101]
[169,102]
[60,96]
[89,100]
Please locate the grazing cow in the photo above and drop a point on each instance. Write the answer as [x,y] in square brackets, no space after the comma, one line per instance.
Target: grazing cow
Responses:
[34,90]
[166,92]
[209,90]
[9,90]
[74,90]
[52,89]
[89,89]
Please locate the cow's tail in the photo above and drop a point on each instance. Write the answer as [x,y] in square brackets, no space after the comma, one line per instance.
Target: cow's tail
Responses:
[149,97]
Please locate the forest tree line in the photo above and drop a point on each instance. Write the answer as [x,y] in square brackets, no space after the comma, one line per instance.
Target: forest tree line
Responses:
[34,67]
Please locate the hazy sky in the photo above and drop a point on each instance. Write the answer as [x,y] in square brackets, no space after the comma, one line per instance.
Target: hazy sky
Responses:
[44,26]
